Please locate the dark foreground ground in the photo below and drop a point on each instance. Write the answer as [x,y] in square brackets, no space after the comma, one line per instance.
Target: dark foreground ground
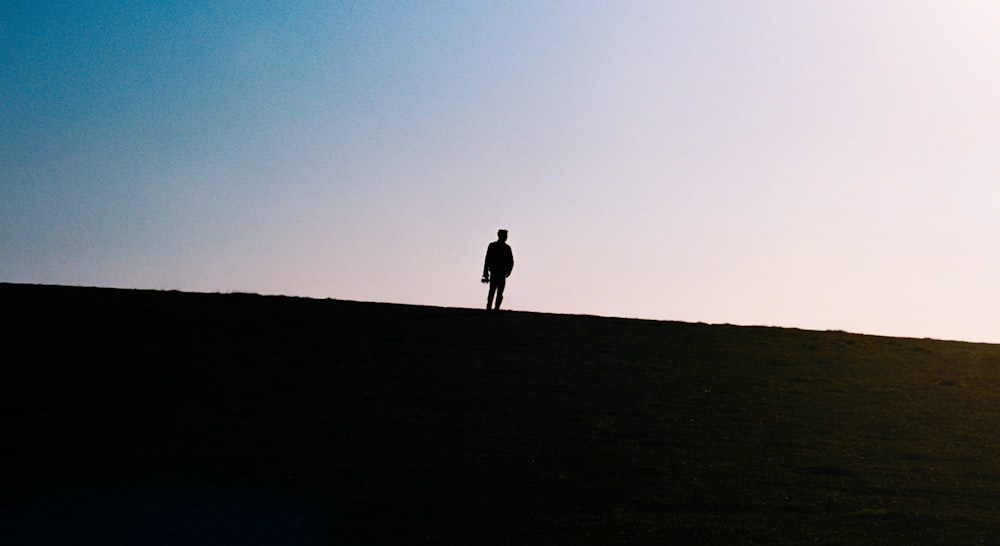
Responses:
[138,417]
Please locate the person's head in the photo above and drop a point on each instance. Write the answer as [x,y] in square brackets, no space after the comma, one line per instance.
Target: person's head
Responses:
[502,234]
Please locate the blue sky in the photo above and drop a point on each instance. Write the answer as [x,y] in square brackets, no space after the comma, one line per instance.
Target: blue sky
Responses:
[822,165]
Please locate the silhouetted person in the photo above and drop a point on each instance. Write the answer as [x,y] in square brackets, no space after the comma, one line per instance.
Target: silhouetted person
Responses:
[499,263]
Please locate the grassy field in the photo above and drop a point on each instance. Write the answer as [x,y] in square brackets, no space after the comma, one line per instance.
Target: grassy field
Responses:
[142,417]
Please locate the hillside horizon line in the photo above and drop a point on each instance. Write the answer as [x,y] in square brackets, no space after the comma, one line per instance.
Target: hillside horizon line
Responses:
[505,311]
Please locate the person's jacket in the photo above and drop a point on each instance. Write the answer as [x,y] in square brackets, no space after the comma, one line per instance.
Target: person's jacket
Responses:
[499,259]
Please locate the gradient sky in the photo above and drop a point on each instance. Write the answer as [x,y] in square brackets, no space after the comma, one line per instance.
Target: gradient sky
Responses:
[811,164]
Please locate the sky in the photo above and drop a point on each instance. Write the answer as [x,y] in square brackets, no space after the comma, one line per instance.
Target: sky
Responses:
[810,164]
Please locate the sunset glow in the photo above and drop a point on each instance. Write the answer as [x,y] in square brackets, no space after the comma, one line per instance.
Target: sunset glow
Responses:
[819,165]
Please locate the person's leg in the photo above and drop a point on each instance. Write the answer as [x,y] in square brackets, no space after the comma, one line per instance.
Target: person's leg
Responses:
[501,284]
[489,298]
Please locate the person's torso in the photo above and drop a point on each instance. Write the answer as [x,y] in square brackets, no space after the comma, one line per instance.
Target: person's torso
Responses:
[499,255]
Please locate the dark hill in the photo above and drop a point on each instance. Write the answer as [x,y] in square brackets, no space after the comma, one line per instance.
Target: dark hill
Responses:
[144,417]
